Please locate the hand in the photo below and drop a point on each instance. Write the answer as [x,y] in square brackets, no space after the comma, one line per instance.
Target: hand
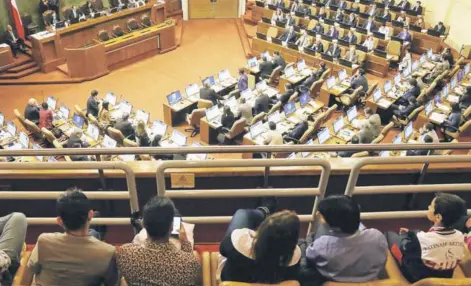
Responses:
[182,235]
[468,223]
[403,230]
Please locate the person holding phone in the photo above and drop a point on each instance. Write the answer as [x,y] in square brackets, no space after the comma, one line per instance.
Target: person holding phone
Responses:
[170,265]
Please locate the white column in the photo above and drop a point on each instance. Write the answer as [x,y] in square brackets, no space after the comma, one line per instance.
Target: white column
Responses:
[241,8]
[185,9]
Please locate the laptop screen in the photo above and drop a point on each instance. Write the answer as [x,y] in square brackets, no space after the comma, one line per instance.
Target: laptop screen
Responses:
[252,62]
[289,108]
[397,139]
[266,55]
[158,127]
[377,95]
[445,91]
[109,142]
[429,53]
[384,154]
[51,159]
[324,135]
[224,75]
[466,68]
[64,111]
[111,98]
[352,113]
[51,103]
[93,131]
[428,108]
[408,130]
[397,79]
[415,65]
[210,80]
[37,147]
[275,117]
[212,112]
[261,85]
[289,71]
[453,82]
[125,107]
[179,138]
[423,58]
[330,82]
[301,64]
[2,119]
[192,89]
[342,75]
[174,97]
[231,102]
[406,72]
[304,99]
[23,139]
[77,120]
[11,128]
[256,129]
[387,86]
[197,156]
[142,115]
[339,123]
[460,75]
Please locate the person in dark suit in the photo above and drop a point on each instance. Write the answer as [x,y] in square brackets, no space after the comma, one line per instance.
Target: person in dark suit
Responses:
[414,91]
[329,3]
[322,13]
[350,38]
[352,20]
[289,21]
[318,29]
[207,93]
[417,8]
[347,154]
[386,16]
[333,33]
[289,35]
[310,80]
[75,15]
[53,19]
[43,7]
[339,16]
[424,152]
[440,28]
[289,91]
[403,4]
[321,70]
[75,138]
[262,103]
[278,60]
[141,134]
[447,56]
[297,132]
[78,157]
[388,3]
[454,120]
[465,100]
[318,47]
[266,68]
[342,4]
[359,79]
[92,104]
[402,111]
[334,50]
[53,5]
[405,35]
[16,43]
[227,118]
[280,4]
[369,25]
[119,3]
[125,127]
[371,10]
[32,111]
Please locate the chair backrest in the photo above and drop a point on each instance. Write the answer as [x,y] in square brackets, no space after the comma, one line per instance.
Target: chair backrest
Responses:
[103,36]
[92,119]
[130,143]
[318,121]
[465,126]
[272,32]
[448,151]
[237,128]
[422,95]
[20,118]
[274,75]
[307,134]
[145,20]
[132,24]
[204,103]
[258,117]
[251,81]
[371,88]
[311,23]
[325,74]
[360,154]
[33,128]
[316,88]
[355,95]
[330,112]
[80,112]
[48,135]
[415,112]
[116,135]
[275,107]
[386,128]
[233,92]
[394,48]
[196,115]
[361,56]
[378,139]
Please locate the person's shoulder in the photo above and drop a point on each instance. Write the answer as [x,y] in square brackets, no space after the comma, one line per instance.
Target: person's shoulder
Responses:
[51,236]
[103,246]
[128,247]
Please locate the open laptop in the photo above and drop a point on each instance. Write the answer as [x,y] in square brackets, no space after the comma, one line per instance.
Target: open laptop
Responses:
[330,82]
[78,121]
[192,91]
[111,98]
[108,142]
[51,103]
[324,135]
[434,116]
[380,100]
[275,117]
[158,127]
[342,76]
[387,86]
[196,156]
[2,120]
[252,62]
[341,131]
[408,131]
[174,98]
[257,131]
[126,107]
[142,115]
[210,80]
[352,116]
[37,147]
[289,71]
[21,143]
[225,77]
[93,132]
[62,114]
[8,133]
[290,109]
[213,115]
[305,154]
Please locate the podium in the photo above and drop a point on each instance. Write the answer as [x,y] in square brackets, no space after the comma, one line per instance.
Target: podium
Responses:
[87,62]
[6,57]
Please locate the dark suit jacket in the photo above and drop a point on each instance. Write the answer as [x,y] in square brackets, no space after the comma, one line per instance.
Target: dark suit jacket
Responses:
[9,38]
[339,17]
[209,94]
[335,53]
[413,92]
[465,101]
[346,154]
[418,10]
[266,68]
[342,5]
[126,128]
[262,104]
[372,28]
[453,122]
[318,47]
[352,22]
[74,19]
[32,113]
[115,3]
[353,39]
[227,120]
[387,17]
[74,139]
[310,80]
[92,106]
[405,5]
[440,30]
[360,81]
[144,140]
[318,29]
[417,152]
[279,61]
[284,98]
[287,37]
[406,111]
[297,131]
[334,34]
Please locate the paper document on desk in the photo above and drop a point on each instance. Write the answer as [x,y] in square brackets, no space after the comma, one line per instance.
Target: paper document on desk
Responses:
[443,107]
[438,117]
[384,103]
[4,45]
[453,98]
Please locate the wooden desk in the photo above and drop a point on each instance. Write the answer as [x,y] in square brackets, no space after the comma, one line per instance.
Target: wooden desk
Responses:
[208,131]
[377,65]
[48,52]
[88,62]
[422,42]
[324,95]
[6,57]
[176,113]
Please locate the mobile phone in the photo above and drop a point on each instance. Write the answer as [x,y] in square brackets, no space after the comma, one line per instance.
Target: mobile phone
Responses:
[177,221]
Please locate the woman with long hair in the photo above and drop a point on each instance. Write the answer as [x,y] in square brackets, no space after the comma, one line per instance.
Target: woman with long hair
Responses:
[259,247]
[141,134]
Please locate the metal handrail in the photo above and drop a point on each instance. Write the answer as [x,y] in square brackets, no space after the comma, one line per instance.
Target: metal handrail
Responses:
[235,149]
[318,192]
[353,189]
[130,194]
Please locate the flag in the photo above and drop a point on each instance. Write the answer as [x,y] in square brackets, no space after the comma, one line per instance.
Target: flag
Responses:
[15,14]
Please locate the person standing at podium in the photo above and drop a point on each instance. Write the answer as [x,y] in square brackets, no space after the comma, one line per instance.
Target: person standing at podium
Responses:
[16,43]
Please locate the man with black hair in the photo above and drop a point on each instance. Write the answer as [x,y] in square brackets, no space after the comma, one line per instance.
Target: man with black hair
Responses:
[125,127]
[289,91]
[342,249]
[346,154]
[414,91]
[465,99]
[75,257]
[278,60]
[265,67]
[453,122]
[92,104]
[158,261]
[421,152]
[435,253]
[359,79]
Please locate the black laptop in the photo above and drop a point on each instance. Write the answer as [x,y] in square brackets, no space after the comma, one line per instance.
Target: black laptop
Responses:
[397,23]
[344,26]
[299,14]
[276,41]
[345,63]
[261,36]
[281,24]
[362,30]
[379,35]
[411,12]
[329,22]
[343,43]
[292,45]
[363,15]
[259,3]
[309,51]
[272,7]
[415,28]
[380,53]
[326,57]
[395,38]
[362,48]
[432,32]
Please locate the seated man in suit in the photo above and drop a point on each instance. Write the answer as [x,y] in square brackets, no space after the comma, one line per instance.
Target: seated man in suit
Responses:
[342,4]
[289,21]
[403,4]
[289,91]
[423,152]
[388,3]
[454,119]
[350,38]
[16,43]
[414,91]
[273,137]
[465,99]
[359,79]
[297,132]
[262,103]
[329,3]
[334,50]
[207,93]
[304,40]
[371,10]
[79,157]
[318,29]
[280,4]
[278,60]
[369,43]
[125,127]
[318,47]
[417,7]
[266,68]
[440,28]
[352,20]
[119,3]
[405,35]
[339,16]
[369,25]
[75,15]
[333,33]
[347,154]
[351,55]
[402,111]
[75,138]
[384,30]
[92,104]
[289,36]
[386,16]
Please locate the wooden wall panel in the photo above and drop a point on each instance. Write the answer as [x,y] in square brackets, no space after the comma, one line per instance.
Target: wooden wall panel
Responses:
[200,9]
[226,8]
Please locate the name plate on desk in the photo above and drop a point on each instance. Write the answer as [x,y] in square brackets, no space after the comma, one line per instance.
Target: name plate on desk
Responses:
[182,180]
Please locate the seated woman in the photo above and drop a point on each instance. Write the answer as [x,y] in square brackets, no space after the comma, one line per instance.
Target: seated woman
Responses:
[261,247]
[104,114]
[156,143]
[452,124]
[141,134]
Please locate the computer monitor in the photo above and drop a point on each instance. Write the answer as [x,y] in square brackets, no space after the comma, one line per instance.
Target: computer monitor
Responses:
[275,117]
[406,72]
[256,129]
[178,138]
[324,135]
[24,140]
[342,75]
[142,115]
[93,131]
[126,107]
[309,142]
[423,58]
[289,108]
[209,80]
[377,95]
[174,97]
[266,55]
[111,98]
[212,113]
[304,99]
[430,53]
[37,147]
[352,113]
[445,91]
[301,64]
[387,86]
[158,127]
[109,142]
[2,119]
[453,82]
[408,130]
[51,102]
[11,128]
[224,75]
[330,82]
[397,139]
[415,65]
[397,79]
[467,68]
[261,85]
[192,89]
[339,124]
[252,62]
[460,75]
[292,156]
[51,159]
[246,93]
[429,108]
[289,71]
[64,111]
[78,121]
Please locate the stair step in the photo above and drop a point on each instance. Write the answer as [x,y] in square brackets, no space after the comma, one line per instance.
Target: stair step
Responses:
[22,67]
[20,74]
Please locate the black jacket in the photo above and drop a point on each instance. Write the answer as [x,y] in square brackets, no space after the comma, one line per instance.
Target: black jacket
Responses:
[92,106]
[75,139]
[298,131]
[209,94]
[32,113]
[262,104]
[126,128]
[279,61]
[227,120]
[284,98]
[266,68]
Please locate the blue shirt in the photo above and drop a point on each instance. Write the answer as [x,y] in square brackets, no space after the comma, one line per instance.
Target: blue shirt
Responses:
[243,84]
[349,258]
